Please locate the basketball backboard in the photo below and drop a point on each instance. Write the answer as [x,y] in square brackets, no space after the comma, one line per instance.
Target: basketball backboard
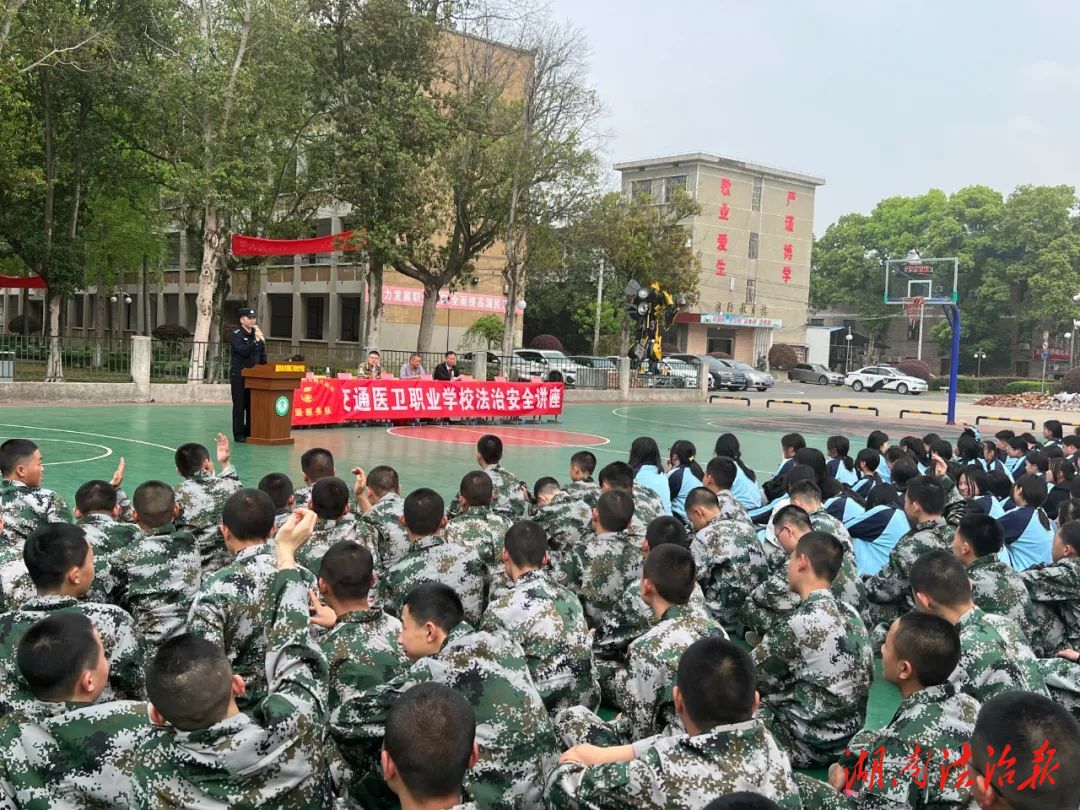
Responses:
[913,277]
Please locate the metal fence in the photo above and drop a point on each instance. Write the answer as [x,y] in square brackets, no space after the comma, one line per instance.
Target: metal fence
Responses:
[84,359]
[170,361]
[642,377]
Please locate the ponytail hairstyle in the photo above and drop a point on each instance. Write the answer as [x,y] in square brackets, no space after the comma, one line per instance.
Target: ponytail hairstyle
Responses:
[686,453]
[915,446]
[728,445]
[870,458]
[815,460]
[841,447]
[989,450]
[1033,492]
[968,448]
[831,488]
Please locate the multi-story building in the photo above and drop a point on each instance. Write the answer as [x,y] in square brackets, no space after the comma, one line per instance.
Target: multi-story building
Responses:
[753,236]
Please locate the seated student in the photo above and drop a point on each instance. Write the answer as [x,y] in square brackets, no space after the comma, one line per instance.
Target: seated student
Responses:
[581,486]
[790,444]
[546,620]
[1027,726]
[158,574]
[430,744]
[97,507]
[745,487]
[24,504]
[433,558]
[888,591]
[275,756]
[995,587]
[315,464]
[229,607]
[1052,432]
[618,475]
[841,465]
[1061,475]
[729,559]
[994,654]
[816,665]
[867,463]
[919,654]
[516,740]
[720,476]
[1001,440]
[648,471]
[992,458]
[848,586]
[508,488]
[1070,446]
[565,521]
[202,495]
[61,566]
[378,497]
[1055,592]
[280,489]
[336,522]
[684,474]
[1028,534]
[1036,462]
[65,749]
[725,747]
[875,533]
[973,483]
[1016,456]
[878,441]
[477,527]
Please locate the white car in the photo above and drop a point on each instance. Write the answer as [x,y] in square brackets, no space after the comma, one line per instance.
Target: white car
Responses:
[884,378]
[527,363]
[681,373]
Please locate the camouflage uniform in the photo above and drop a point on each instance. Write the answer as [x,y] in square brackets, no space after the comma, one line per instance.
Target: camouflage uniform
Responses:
[157,577]
[122,645]
[433,559]
[549,624]
[72,754]
[25,508]
[385,518]
[955,505]
[1062,682]
[647,504]
[301,498]
[106,535]
[774,600]
[997,587]
[16,587]
[994,657]
[682,772]
[231,610]
[517,742]
[273,758]
[1055,594]
[730,508]
[816,668]
[932,720]
[482,530]
[508,497]
[730,564]
[328,532]
[889,591]
[583,490]
[566,523]
[201,498]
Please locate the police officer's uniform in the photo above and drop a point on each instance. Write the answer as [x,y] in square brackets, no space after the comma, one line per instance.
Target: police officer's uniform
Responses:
[245,352]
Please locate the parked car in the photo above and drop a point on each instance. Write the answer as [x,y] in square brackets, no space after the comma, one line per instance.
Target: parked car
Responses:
[596,372]
[680,373]
[814,373]
[721,375]
[893,379]
[494,364]
[528,363]
[761,380]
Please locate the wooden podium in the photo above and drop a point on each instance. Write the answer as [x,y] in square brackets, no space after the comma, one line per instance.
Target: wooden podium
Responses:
[272,386]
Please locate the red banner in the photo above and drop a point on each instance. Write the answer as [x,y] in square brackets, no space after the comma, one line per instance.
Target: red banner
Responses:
[22,282]
[256,246]
[328,401]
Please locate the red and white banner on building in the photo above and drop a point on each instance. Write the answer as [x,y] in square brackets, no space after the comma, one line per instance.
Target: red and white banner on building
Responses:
[414,297]
[328,401]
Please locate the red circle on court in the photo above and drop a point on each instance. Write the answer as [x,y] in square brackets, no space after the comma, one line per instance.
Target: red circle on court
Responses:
[511,436]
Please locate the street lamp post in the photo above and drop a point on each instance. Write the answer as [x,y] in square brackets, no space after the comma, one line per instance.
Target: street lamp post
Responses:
[980,356]
[848,338]
[444,299]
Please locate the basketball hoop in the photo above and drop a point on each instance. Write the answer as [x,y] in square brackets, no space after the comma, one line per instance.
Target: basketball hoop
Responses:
[913,308]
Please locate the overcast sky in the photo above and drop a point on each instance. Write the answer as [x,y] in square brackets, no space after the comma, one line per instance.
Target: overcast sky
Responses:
[879,98]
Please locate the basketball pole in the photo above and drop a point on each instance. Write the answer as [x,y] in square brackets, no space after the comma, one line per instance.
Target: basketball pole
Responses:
[952,314]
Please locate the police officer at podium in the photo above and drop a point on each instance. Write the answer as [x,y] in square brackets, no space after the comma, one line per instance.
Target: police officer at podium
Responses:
[248,348]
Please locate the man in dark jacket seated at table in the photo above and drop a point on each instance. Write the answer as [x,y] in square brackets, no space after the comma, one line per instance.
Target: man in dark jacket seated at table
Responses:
[447,370]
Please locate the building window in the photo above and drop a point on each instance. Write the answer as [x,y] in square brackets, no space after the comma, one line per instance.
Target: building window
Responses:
[315,315]
[172,249]
[672,183]
[751,291]
[79,320]
[817,321]
[172,308]
[720,340]
[280,315]
[350,318]
[752,251]
[323,227]
[755,199]
[639,188]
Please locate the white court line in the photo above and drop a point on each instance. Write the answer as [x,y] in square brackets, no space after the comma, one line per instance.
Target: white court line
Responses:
[108,452]
[484,432]
[95,435]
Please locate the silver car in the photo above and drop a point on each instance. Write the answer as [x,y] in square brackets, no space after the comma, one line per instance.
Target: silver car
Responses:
[814,373]
[761,380]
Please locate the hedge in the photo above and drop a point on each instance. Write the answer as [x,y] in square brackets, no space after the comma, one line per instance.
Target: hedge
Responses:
[1023,387]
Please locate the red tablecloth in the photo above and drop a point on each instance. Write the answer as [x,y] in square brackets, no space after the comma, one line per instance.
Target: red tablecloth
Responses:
[328,401]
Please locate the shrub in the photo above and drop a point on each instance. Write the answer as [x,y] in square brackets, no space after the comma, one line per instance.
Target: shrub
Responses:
[915,368]
[173,332]
[782,357]
[25,324]
[1070,383]
[546,342]
[1023,387]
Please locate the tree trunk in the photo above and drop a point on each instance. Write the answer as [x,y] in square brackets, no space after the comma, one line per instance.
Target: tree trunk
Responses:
[204,301]
[427,319]
[624,339]
[513,279]
[54,371]
[375,304]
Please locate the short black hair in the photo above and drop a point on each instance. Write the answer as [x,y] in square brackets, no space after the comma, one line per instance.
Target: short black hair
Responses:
[190,458]
[941,576]
[347,567]
[1024,723]
[383,479]
[1054,426]
[824,552]
[155,503]
[526,543]
[55,652]
[429,735]
[617,475]
[723,471]
[671,570]
[927,492]
[1005,434]
[876,439]
[905,470]
[930,643]
[52,550]
[374,352]
[805,489]
[615,509]
[544,485]
[701,496]
[1032,489]
[792,515]
[717,681]
[983,532]
[1018,443]
[792,441]
[1039,460]
[434,602]
[477,489]
[1072,440]
[423,511]
[584,461]
[329,498]
[869,457]
[189,682]
[95,496]
[279,487]
[1068,511]
[1070,535]
[316,463]
[249,515]
[666,529]
[14,452]
[448,354]
[490,448]
[742,800]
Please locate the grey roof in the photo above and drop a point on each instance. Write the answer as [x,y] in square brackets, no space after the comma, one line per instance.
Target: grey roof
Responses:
[724,162]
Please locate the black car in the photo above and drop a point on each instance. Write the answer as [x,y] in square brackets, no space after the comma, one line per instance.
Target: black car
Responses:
[720,375]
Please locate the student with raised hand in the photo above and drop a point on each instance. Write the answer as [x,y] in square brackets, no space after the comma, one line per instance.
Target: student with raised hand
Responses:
[380,505]
[1028,533]
[24,504]
[337,521]
[745,487]
[1054,589]
[215,756]
[202,496]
